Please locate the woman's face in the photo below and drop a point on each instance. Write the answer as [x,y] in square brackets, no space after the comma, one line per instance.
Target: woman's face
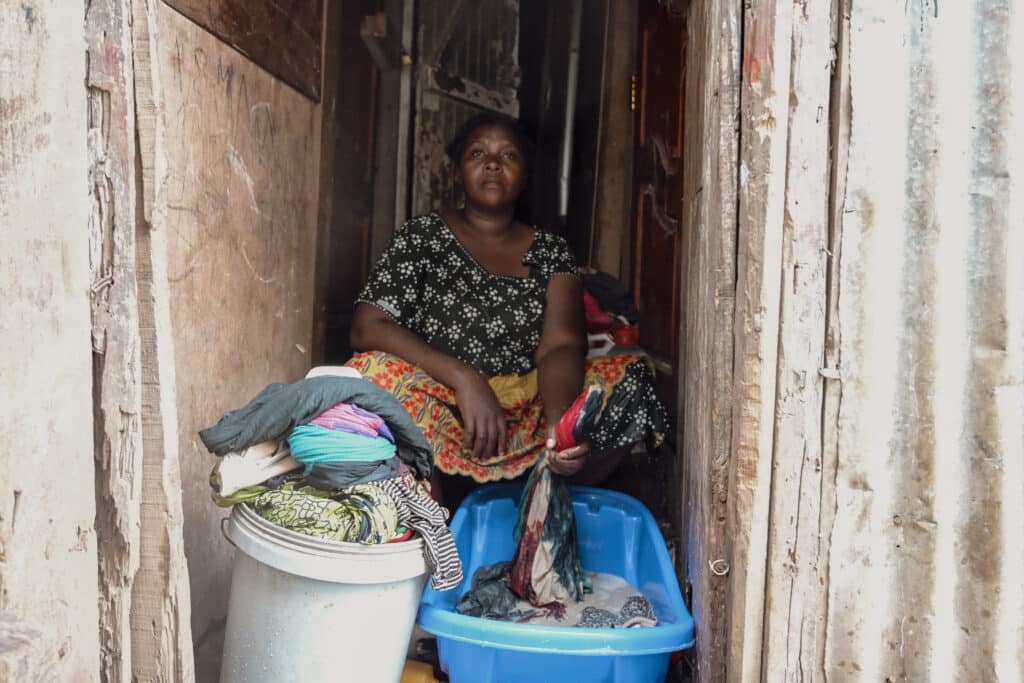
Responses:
[493,168]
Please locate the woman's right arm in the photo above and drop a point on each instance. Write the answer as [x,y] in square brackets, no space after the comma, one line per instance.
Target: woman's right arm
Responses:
[482,416]
[374,330]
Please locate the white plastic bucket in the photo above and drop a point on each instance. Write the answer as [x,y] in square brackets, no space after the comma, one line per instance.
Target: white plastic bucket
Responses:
[305,609]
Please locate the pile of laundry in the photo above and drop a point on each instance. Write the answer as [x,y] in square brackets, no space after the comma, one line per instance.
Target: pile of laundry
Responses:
[336,458]
[545,582]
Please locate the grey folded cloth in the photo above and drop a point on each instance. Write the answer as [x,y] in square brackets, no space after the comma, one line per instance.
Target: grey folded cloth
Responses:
[273,413]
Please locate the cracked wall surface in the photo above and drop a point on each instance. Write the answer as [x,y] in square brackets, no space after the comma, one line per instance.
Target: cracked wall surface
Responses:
[48,565]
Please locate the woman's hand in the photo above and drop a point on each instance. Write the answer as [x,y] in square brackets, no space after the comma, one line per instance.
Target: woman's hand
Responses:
[483,420]
[568,462]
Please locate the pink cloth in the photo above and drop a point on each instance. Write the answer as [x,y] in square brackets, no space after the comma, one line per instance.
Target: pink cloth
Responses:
[597,319]
[346,417]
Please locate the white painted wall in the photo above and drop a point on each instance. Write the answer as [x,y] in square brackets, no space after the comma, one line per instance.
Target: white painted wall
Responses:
[48,570]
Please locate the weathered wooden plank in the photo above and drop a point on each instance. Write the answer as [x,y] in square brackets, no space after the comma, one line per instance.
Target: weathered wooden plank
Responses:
[325,200]
[382,39]
[26,655]
[612,200]
[802,496]
[346,178]
[161,611]
[242,154]
[840,145]
[391,164]
[115,325]
[767,29]
[282,36]
[466,90]
[711,153]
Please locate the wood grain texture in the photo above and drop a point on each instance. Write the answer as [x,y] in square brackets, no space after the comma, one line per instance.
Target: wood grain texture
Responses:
[243,169]
[612,196]
[347,183]
[325,200]
[115,325]
[391,162]
[282,36]
[802,495]
[710,171]
[765,103]
[658,235]
[161,609]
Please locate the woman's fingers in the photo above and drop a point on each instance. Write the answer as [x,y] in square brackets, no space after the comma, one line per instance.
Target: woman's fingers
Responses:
[480,443]
[484,436]
[502,435]
[570,461]
[563,466]
[481,438]
[468,432]
[575,453]
[489,438]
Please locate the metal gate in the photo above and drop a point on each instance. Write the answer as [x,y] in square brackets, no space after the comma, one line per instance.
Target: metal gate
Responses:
[468,63]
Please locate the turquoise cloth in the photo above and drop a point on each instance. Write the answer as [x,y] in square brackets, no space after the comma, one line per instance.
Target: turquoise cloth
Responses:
[312,444]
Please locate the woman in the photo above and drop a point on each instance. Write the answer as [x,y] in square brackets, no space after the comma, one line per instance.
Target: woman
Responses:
[475,322]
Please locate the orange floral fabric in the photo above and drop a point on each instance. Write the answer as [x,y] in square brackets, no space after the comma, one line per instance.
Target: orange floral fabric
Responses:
[433,408]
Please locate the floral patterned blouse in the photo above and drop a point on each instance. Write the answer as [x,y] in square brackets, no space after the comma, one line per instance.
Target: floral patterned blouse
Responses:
[428,282]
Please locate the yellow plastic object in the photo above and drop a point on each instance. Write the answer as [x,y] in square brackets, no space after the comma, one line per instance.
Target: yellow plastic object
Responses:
[417,672]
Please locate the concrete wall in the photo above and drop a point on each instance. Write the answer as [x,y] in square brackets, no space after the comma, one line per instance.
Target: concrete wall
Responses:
[48,566]
[243,162]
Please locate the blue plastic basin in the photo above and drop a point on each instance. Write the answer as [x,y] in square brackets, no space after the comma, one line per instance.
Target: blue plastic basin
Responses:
[617,535]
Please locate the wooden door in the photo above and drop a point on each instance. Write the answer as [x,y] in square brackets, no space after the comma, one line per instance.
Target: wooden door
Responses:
[467,63]
[658,187]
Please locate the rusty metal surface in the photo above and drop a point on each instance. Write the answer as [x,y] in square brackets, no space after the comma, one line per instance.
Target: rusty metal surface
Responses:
[469,62]
[926,551]
[477,41]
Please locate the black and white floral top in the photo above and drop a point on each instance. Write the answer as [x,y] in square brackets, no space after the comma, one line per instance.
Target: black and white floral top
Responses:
[427,282]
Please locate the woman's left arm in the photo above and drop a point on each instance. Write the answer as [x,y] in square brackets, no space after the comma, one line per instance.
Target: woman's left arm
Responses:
[560,356]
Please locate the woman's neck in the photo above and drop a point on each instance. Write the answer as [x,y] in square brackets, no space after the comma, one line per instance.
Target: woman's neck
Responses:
[486,222]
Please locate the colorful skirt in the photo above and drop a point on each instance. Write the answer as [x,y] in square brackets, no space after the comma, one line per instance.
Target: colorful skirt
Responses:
[631,412]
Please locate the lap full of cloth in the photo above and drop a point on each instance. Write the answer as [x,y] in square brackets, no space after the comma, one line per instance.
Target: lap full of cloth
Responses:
[631,411]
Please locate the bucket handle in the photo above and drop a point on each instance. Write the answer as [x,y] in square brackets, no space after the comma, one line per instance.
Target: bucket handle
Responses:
[224,532]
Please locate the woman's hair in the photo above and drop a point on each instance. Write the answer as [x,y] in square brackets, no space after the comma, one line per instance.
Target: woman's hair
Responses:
[457,145]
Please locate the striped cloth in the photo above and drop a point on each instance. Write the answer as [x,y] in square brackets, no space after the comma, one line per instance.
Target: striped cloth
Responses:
[424,515]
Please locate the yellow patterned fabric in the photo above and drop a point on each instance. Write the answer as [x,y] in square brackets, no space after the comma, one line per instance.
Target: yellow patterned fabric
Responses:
[631,411]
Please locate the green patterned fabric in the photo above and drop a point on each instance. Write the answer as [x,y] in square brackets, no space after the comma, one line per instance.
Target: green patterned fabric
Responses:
[251,493]
[363,514]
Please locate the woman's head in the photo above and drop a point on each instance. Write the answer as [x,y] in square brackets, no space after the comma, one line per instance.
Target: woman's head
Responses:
[492,154]
[457,145]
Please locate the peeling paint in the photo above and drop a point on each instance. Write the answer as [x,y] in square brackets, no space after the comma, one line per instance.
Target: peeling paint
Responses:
[930,315]
[48,563]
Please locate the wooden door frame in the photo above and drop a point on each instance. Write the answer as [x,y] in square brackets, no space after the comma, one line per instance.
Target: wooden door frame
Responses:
[707,319]
[764,204]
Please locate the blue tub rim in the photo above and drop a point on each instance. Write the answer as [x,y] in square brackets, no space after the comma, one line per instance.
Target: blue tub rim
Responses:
[664,638]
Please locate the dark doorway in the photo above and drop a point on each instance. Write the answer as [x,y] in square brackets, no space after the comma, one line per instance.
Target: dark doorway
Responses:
[657,234]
